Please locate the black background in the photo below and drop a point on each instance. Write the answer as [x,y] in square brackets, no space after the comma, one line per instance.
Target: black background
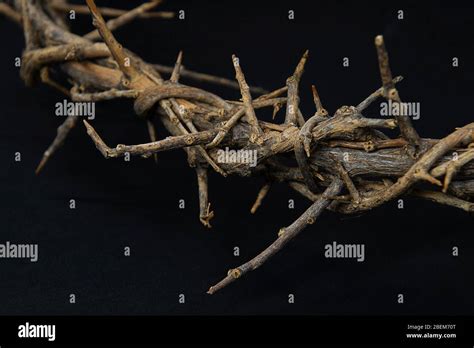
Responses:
[136,203]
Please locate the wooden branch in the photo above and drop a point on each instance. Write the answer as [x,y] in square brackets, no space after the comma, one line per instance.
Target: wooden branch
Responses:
[205,214]
[207,78]
[115,48]
[345,149]
[285,235]
[390,92]
[247,99]
[107,11]
[62,132]
[10,13]
[292,83]
[123,19]
[260,196]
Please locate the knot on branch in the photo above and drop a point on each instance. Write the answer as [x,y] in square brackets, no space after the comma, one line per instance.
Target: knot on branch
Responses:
[234,273]
[345,111]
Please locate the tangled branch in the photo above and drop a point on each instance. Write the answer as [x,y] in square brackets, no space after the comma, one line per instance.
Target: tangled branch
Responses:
[343,162]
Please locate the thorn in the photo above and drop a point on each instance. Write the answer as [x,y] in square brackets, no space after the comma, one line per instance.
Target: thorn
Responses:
[61,135]
[260,196]
[153,137]
[379,40]
[177,68]
[205,220]
[300,67]
[427,177]
[42,163]
[307,147]
[276,108]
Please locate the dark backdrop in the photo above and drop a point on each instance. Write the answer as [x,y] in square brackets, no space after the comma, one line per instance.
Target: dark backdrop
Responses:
[136,203]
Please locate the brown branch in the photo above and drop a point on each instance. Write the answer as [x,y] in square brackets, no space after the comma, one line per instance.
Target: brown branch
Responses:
[260,196]
[232,121]
[123,19]
[419,171]
[107,11]
[348,182]
[284,236]
[247,99]
[205,214]
[10,13]
[449,169]
[370,145]
[302,147]
[153,137]
[442,198]
[28,29]
[76,95]
[47,80]
[375,95]
[390,92]
[146,150]
[177,68]
[292,83]
[115,48]
[202,77]
[62,132]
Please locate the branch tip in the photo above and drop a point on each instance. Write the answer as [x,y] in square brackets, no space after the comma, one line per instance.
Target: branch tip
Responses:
[99,143]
